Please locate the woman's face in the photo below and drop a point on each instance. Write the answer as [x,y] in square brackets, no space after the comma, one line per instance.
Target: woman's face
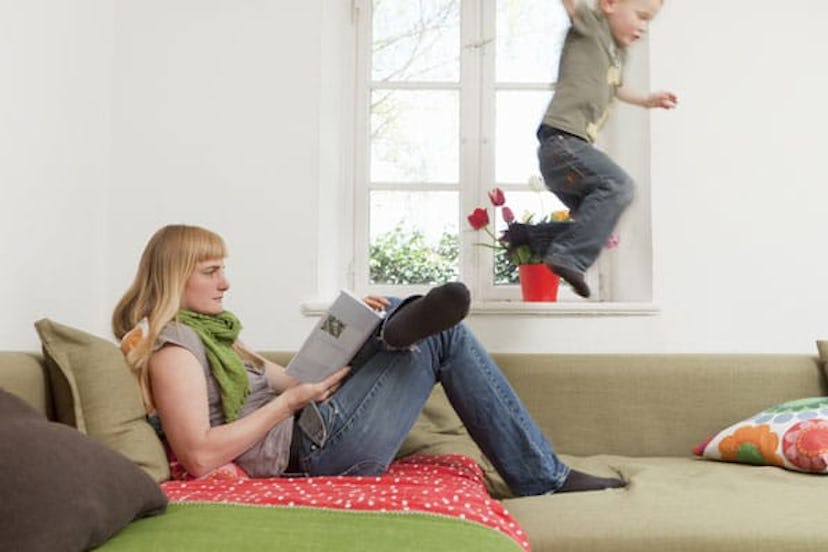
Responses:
[204,290]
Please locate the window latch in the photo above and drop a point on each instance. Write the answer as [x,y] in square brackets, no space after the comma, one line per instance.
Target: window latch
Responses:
[478,43]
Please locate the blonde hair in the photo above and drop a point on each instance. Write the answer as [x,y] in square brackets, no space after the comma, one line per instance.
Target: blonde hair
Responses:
[168,260]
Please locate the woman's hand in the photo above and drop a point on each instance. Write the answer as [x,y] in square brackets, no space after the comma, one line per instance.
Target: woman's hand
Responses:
[376,302]
[301,393]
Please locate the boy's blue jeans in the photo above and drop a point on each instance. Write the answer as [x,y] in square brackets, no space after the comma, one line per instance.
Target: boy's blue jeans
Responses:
[370,415]
[595,190]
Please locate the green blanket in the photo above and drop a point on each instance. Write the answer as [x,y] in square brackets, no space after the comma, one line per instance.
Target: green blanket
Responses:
[200,526]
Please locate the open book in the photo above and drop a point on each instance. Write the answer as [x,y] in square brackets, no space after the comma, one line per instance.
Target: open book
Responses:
[335,339]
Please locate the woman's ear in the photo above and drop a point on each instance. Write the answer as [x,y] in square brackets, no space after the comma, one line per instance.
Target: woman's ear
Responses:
[608,6]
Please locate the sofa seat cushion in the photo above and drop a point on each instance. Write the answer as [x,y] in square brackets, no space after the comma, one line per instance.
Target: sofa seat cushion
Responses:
[680,504]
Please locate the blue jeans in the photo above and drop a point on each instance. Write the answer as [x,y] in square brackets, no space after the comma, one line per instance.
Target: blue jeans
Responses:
[595,190]
[370,415]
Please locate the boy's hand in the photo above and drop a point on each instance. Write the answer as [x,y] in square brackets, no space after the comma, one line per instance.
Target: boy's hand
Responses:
[664,100]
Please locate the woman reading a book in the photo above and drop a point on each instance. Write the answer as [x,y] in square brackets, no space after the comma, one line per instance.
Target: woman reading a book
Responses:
[220,402]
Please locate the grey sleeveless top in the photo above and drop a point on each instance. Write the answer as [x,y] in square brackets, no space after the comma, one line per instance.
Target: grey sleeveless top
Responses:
[267,458]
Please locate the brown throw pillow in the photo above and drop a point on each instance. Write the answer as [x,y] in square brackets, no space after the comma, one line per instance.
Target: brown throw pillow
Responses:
[94,390]
[60,489]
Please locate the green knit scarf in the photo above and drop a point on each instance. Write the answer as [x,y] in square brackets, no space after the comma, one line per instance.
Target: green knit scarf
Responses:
[218,332]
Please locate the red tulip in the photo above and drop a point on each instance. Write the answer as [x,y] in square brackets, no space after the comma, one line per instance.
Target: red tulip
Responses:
[497,197]
[479,218]
[508,215]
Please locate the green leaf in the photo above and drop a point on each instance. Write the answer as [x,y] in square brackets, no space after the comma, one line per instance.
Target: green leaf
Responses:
[750,454]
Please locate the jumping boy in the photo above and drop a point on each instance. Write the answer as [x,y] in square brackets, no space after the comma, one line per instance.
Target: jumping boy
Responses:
[594,188]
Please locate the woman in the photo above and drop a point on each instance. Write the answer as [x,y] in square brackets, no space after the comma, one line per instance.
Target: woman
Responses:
[220,402]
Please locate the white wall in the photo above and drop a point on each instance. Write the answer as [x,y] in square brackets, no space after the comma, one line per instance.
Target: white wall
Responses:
[215,122]
[54,163]
[121,116]
[737,188]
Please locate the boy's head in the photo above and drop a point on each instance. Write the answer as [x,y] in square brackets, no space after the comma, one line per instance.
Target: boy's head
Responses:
[629,19]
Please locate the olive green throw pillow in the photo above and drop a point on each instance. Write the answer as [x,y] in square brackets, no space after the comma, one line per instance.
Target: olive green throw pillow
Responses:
[94,390]
[62,490]
[822,347]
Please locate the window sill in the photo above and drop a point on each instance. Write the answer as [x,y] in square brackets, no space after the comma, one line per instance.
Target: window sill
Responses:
[563,308]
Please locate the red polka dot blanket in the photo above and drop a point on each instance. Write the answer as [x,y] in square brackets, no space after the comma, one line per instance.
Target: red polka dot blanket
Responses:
[445,485]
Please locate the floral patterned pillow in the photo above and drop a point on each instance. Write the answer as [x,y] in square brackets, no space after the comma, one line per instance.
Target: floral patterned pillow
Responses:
[791,435]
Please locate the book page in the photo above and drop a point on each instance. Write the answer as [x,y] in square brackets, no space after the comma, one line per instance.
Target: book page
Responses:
[335,339]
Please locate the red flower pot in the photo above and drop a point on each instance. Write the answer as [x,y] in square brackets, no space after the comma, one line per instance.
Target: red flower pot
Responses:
[538,282]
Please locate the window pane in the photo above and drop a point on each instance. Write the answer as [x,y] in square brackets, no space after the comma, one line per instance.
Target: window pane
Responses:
[413,237]
[530,34]
[518,114]
[414,136]
[417,41]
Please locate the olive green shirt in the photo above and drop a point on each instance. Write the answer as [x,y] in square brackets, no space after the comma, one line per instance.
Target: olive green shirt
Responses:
[589,74]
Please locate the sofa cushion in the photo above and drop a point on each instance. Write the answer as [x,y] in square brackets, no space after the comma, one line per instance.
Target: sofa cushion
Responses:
[24,374]
[94,390]
[62,490]
[791,435]
[822,348]
[651,404]
[679,504]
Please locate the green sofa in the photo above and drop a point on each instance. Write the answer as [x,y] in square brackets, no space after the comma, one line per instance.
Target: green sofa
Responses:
[636,415]
[641,416]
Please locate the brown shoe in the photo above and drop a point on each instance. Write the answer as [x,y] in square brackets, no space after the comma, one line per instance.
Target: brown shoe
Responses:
[516,235]
[573,278]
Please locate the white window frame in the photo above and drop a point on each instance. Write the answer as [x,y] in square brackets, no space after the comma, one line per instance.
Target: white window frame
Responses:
[622,279]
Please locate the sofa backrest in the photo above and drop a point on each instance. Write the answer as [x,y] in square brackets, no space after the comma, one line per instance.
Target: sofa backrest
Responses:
[653,404]
[635,405]
[24,374]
